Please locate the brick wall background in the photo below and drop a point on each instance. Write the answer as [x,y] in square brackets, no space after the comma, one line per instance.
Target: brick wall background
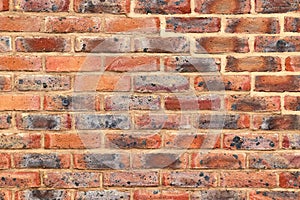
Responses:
[140,99]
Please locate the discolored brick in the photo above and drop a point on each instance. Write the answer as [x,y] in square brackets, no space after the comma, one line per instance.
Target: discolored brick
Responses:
[41,5]
[237,121]
[164,7]
[98,6]
[276,122]
[222,6]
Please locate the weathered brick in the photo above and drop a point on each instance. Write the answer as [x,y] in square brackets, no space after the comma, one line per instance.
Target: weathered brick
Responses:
[253,64]
[158,195]
[194,179]
[43,194]
[191,64]
[4,7]
[19,102]
[133,102]
[102,44]
[159,121]
[131,179]
[274,160]
[278,195]
[5,120]
[160,161]
[20,63]
[42,5]
[277,44]
[276,6]
[247,103]
[289,179]
[292,63]
[98,6]
[102,194]
[192,141]
[5,194]
[222,6]
[20,140]
[193,25]
[43,44]
[266,83]
[5,162]
[133,140]
[42,82]
[276,122]
[164,7]
[204,102]
[74,102]
[218,161]
[219,195]
[37,160]
[161,83]
[221,83]
[5,83]
[54,122]
[73,24]
[98,121]
[243,179]
[252,25]
[251,141]
[131,25]
[292,24]
[19,179]
[5,44]
[230,121]
[132,63]
[20,23]
[292,103]
[291,141]
[216,45]
[71,179]
[72,141]
[102,161]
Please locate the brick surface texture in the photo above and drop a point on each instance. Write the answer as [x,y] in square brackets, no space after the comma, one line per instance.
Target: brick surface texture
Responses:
[149,100]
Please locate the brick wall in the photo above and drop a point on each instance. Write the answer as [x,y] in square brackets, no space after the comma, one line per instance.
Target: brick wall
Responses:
[140,99]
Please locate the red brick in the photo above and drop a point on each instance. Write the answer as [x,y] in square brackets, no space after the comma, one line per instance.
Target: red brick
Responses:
[44,194]
[113,7]
[242,179]
[192,141]
[71,179]
[19,102]
[274,160]
[291,141]
[20,140]
[132,141]
[42,5]
[20,63]
[73,24]
[43,44]
[194,179]
[191,64]
[164,8]
[289,179]
[252,25]
[36,160]
[251,141]
[216,45]
[132,64]
[5,83]
[102,161]
[5,162]
[204,102]
[5,120]
[104,194]
[219,195]
[292,103]
[222,6]
[20,23]
[161,45]
[292,63]
[20,179]
[72,141]
[193,24]
[160,161]
[276,122]
[102,44]
[248,103]
[277,44]
[131,25]
[253,64]
[158,195]
[278,195]
[276,6]
[5,44]
[3,7]
[222,83]
[289,83]
[5,194]
[218,161]
[131,179]
[158,121]
[230,121]
[292,24]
